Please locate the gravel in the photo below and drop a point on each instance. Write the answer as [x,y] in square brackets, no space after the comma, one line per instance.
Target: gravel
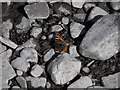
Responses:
[63,69]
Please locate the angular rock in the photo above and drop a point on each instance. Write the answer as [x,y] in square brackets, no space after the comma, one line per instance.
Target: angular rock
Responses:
[2,48]
[115,4]
[29,54]
[6,70]
[56,28]
[37,70]
[96,11]
[35,32]
[78,3]
[37,82]
[65,20]
[22,82]
[111,81]
[48,55]
[64,68]
[83,82]
[8,42]
[20,64]
[36,10]
[101,41]
[73,51]
[75,29]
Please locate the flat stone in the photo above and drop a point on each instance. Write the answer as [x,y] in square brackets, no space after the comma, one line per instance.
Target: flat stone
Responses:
[73,51]
[101,41]
[8,42]
[48,55]
[5,28]
[35,32]
[96,11]
[22,82]
[29,54]
[56,28]
[20,64]
[63,68]
[78,3]
[37,82]
[75,29]
[115,4]
[6,70]
[2,48]
[83,82]
[37,70]
[111,81]
[36,10]
[65,20]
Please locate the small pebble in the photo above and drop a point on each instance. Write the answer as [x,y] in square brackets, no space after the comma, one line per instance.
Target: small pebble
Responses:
[35,32]
[19,72]
[65,20]
[43,37]
[48,85]
[86,69]
[56,28]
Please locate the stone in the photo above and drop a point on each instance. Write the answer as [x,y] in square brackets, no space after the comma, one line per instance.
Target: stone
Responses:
[48,55]
[63,68]
[6,70]
[48,85]
[73,51]
[50,36]
[30,55]
[101,41]
[83,82]
[97,87]
[37,82]
[115,4]
[86,69]
[5,28]
[8,42]
[22,82]
[30,43]
[37,70]
[96,11]
[2,48]
[79,17]
[78,3]
[19,72]
[20,64]
[56,28]
[111,81]
[35,32]
[36,10]
[87,6]
[43,37]
[65,20]
[75,29]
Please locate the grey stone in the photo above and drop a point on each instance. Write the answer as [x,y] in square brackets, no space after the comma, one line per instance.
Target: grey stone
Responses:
[56,28]
[79,17]
[19,72]
[87,6]
[35,32]
[75,29]
[37,82]
[63,68]
[83,82]
[86,69]
[48,55]
[101,41]
[20,64]
[2,48]
[78,3]
[73,51]
[111,81]
[29,54]
[115,5]
[43,37]
[65,20]
[37,70]
[36,10]
[22,82]
[97,87]
[6,70]
[8,42]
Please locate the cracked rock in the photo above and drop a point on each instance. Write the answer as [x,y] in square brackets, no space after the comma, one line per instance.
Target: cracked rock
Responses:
[37,70]
[83,82]
[78,3]
[111,81]
[75,29]
[101,41]
[22,82]
[63,68]
[29,54]
[36,10]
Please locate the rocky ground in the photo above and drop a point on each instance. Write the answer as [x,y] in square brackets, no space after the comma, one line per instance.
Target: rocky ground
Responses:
[60,44]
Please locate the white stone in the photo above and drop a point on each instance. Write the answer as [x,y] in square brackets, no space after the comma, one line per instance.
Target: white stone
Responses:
[2,48]
[101,41]
[87,6]
[96,11]
[115,5]
[43,37]
[37,70]
[48,55]
[78,3]
[8,42]
[63,68]
[86,69]
[15,87]
[65,20]
[37,82]
[22,82]
[6,70]
[56,28]
[83,82]
[111,81]
[75,29]
[29,54]
[36,10]
[20,64]
[73,51]
[97,87]
[19,72]
[35,32]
